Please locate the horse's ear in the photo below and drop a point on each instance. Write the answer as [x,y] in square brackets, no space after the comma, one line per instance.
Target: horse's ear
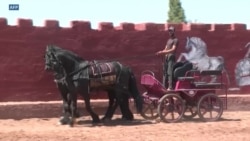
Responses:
[49,46]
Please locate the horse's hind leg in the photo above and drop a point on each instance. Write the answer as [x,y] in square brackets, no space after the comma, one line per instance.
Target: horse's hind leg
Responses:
[124,106]
[113,104]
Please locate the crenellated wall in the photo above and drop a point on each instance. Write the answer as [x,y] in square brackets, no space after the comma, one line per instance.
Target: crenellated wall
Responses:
[22,75]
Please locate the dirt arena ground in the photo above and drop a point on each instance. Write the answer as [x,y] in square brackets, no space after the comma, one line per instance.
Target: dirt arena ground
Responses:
[25,121]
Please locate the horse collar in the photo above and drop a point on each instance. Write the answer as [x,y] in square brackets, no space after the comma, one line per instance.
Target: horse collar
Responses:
[82,67]
[60,79]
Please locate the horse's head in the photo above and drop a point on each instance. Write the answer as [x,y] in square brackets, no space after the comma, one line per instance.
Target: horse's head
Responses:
[60,60]
[51,61]
[197,44]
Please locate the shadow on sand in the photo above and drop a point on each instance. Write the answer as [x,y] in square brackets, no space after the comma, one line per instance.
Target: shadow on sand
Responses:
[201,121]
[115,122]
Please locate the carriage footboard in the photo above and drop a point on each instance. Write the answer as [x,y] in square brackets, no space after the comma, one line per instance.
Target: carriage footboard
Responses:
[152,85]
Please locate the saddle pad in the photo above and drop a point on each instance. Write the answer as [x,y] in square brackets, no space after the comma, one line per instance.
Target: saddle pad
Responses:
[104,81]
[101,68]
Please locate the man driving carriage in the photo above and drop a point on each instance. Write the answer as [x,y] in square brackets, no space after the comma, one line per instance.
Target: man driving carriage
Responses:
[169,52]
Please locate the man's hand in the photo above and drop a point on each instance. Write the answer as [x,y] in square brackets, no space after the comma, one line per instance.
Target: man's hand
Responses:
[158,53]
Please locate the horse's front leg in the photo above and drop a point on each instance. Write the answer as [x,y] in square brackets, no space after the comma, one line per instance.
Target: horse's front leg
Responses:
[73,107]
[64,119]
[180,57]
[95,117]
[183,56]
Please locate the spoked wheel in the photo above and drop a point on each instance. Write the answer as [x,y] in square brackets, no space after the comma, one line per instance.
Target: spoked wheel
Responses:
[171,108]
[210,107]
[190,112]
[149,111]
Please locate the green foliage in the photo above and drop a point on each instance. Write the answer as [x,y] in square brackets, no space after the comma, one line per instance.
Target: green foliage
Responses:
[176,13]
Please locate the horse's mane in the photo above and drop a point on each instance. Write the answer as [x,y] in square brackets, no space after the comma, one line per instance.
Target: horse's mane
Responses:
[57,49]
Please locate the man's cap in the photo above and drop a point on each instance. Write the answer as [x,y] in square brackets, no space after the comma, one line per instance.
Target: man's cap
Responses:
[171,28]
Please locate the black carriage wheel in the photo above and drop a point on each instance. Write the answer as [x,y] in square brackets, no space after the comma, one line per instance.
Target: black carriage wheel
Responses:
[171,108]
[210,107]
[149,111]
[190,112]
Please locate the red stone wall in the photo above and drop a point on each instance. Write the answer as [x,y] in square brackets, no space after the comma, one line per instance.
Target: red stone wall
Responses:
[22,75]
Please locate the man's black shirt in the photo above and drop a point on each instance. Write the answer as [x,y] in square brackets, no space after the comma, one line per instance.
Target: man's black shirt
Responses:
[171,42]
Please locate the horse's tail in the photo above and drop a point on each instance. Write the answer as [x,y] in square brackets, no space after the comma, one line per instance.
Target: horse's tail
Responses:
[135,92]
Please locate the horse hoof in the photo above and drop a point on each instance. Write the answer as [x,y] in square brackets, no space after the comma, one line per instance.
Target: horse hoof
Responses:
[128,118]
[77,114]
[96,121]
[105,119]
[71,125]
[72,121]
[63,120]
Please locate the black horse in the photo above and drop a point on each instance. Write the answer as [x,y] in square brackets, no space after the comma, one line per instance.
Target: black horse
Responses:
[81,76]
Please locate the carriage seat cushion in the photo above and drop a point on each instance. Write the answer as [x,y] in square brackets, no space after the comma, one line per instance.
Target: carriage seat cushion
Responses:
[181,71]
[186,78]
[211,72]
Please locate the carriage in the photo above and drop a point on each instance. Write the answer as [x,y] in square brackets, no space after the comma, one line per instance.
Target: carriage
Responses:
[196,92]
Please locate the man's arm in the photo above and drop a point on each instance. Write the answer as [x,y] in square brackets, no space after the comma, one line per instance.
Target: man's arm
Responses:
[166,51]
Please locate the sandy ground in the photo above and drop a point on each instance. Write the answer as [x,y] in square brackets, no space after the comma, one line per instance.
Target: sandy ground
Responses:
[38,122]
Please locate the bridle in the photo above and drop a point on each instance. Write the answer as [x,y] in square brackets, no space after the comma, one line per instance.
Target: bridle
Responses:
[57,67]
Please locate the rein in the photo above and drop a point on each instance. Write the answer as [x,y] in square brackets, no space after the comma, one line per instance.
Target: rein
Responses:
[78,70]
[109,60]
[129,58]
